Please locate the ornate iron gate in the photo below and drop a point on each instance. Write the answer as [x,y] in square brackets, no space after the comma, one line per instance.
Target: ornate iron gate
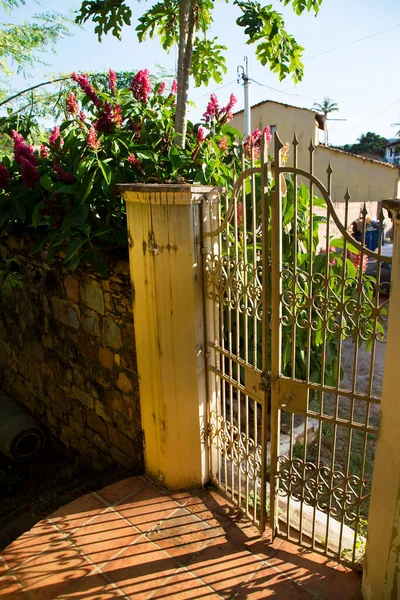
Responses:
[296,317]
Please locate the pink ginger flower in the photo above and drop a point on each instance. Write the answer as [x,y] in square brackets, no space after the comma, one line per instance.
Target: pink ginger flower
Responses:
[356,260]
[92,140]
[72,104]
[223,143]
[136,128]
[55,140]
[83,82]
[140,85]
[228,108]
[161,88]
[174,87]
[22,149]
[82,116]
[332,261]
[62,175]
[254,141]
[106,119]
[44,153]
[4,177]
[29,172]
[212,110]
[112,80]
[118,115]
[201,135]
[135,162]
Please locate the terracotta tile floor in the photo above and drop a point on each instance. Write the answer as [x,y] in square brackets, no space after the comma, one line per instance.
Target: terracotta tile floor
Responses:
[134,540]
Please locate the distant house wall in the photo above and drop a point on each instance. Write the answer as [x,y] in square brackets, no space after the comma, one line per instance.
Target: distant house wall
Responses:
[368,181]
[67,353]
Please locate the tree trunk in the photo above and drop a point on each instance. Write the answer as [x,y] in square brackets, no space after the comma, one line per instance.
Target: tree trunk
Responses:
[187,23]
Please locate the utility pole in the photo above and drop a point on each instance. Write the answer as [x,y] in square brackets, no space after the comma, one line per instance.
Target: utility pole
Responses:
[243,74]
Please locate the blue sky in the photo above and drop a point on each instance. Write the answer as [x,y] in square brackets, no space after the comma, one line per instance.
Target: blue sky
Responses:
[363,77]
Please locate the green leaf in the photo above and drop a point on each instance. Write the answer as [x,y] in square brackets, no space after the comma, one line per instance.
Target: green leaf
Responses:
[47,183]
[36,216]
[73,248]
[106,170]
[339,243]
[97,260]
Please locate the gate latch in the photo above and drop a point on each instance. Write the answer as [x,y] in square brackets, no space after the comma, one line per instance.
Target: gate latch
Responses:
[254,383]
[292,395]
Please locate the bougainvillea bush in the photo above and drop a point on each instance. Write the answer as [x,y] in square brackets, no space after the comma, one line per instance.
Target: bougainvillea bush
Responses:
[64,190]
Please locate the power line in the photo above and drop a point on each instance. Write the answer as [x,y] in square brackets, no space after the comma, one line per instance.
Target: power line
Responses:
[352,42]
[216,90]
[370,119]
[280,91]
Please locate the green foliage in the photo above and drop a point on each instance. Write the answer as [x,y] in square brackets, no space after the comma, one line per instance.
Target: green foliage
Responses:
[208,61]
[275,47]
[109,15]
[10,279]
[20,43]
[262,25]
[367,142]
[74,208]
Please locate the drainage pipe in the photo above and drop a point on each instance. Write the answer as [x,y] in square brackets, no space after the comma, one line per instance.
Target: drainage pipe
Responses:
[21,437]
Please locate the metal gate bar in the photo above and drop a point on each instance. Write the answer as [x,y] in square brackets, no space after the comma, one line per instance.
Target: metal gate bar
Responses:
[288,306]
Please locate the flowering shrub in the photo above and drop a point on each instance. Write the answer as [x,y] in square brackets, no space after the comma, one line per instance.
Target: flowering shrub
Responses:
[65,189]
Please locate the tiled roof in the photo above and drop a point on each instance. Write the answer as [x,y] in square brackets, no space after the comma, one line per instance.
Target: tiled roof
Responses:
[379,162]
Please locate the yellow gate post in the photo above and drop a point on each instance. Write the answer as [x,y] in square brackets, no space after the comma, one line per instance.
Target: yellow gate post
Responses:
[381,579]
[165,250]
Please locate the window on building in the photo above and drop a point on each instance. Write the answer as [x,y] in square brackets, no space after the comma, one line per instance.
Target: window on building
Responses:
[273,129]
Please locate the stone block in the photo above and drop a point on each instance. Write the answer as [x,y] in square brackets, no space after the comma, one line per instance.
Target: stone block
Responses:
[124,383]
[106,358]
[120,441]
[78,378]
[52,421]
[47,371]
[114,400]
[96,423]
[69,437]
[109,303]
[87,347]
[122,267]
[91,322]
[103,411]
[99,442]
[83,397]
[111,334]
[60,414]
[58,396]
[78,427]
[92,294]
[66,313]
[72,288]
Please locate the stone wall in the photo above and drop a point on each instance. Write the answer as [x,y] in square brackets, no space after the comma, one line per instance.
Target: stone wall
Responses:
[67,353]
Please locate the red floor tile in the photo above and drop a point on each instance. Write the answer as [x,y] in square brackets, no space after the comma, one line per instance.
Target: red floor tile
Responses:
[185,586]
[77,513]
[183,535]
[10,589]
[225,566]
[147,507]
[344,584]
[42,535]
[116,492]
[93,587]
[307,568]
[269,583]
[142,569]
[104,536]
[53,572]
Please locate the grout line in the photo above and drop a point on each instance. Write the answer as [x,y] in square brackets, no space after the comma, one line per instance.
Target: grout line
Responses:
[23,586]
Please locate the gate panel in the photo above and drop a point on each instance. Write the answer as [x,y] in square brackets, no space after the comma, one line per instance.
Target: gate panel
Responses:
[233,285]
[329,306]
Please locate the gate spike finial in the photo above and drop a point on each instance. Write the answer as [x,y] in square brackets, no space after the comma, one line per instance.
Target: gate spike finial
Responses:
[364,211]
[311,147]
[347,195]
[295,140]
[381,216]
[329,169]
